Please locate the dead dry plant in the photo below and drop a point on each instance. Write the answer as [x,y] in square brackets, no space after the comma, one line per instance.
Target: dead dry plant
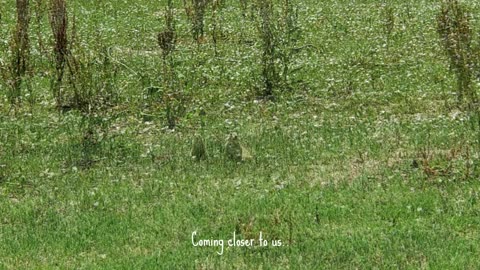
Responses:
[59,25]
[14,73]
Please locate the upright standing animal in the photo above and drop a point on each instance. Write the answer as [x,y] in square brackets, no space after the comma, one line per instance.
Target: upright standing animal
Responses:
[233,149]
[198,148]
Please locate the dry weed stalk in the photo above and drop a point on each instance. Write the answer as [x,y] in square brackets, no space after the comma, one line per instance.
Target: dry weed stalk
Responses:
[269,72]
[20,51]
[167,38]
[290,34]
[195,11]
[40,10]
[59,25]
[166,41]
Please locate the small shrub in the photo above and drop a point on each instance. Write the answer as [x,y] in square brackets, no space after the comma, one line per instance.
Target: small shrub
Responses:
[93,80]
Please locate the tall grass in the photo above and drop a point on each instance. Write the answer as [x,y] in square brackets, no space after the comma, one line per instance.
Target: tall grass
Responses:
[458,39]
[89,76]
[279,34]
[456,33]
[167,38]
[269,46]
[289,37]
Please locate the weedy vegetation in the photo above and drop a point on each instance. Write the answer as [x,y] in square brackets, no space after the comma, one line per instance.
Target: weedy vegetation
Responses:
[195,10]
[15,71]
[59,25]
[462,47]
[456,34]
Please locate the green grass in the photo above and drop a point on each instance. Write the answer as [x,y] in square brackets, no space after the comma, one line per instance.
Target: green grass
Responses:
[331,177]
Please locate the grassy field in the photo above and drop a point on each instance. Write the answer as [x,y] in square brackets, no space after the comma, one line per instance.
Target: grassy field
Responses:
[362,157]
